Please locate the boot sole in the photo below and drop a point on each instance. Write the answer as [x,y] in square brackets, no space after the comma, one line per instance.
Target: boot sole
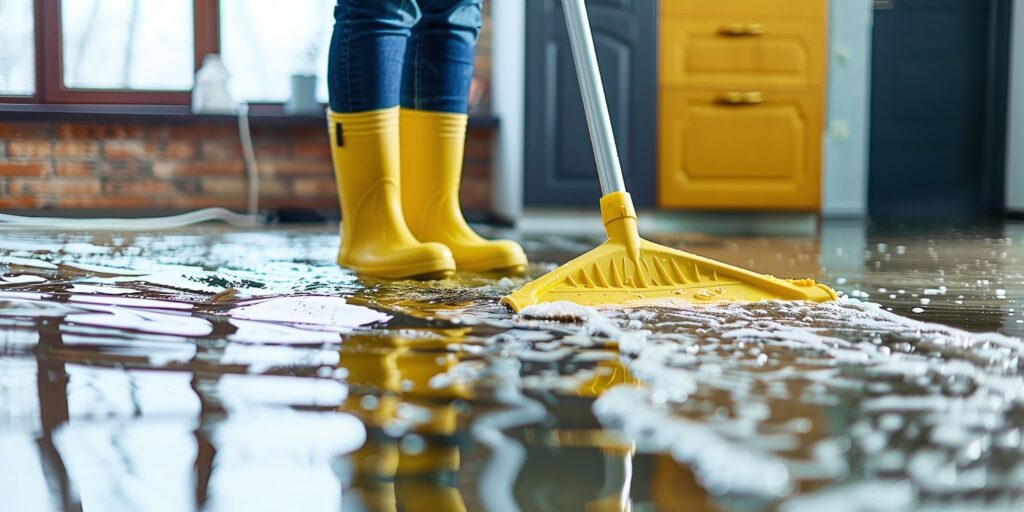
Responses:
[424,271]
[509,265]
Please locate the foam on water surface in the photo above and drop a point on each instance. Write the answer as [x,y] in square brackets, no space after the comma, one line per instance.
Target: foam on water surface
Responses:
[250,355]
[953,402]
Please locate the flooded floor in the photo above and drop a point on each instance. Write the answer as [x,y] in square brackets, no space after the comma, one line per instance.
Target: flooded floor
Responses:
[223,369]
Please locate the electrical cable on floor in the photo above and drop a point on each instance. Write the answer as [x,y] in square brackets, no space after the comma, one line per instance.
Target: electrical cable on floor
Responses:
[140,224]
[253,218]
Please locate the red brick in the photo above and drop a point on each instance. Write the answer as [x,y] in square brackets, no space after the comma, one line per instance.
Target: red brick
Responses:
[173,169]
[31,168]
[104,202]
[296,168]
[76,149]
[223,186]
[220,150]
[129,149]
[93,131]
[203,132]
[314,187]
[76,169]
[322,204]
[126,131]
[275,149]
[79,131]
[269,187]
[24,131]
[122,168]
[231,150]
[476,169]
[20,203]
[306,133]
[479,149]
[136,187]
[475,194]
[312,149]
[158,133]
[29,187]
[179,150]
[194,202]
[30,148]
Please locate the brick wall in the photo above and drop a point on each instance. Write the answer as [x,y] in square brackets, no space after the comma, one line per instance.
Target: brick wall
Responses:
[135,168]
[132,169]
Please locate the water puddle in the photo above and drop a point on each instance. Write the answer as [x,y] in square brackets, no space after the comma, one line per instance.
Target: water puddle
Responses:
[185,370]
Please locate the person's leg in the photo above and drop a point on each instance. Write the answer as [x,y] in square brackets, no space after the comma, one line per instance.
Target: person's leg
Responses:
[364,77]
[438,66]
[435,90]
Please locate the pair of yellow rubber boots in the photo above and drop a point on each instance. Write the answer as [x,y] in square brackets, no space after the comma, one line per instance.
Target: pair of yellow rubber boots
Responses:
[398,174]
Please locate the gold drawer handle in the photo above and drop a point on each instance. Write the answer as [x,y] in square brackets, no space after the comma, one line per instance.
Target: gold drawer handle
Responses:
[742,29]
[737,98]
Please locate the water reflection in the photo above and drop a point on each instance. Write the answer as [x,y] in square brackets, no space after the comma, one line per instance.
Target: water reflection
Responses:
[186,371]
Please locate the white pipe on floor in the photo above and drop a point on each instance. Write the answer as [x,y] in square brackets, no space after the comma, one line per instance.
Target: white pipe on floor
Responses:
[139,224]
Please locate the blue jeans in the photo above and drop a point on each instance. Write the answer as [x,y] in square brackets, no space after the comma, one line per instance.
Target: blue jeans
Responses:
[417,53]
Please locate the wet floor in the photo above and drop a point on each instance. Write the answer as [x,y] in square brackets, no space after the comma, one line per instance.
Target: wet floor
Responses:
[223,369]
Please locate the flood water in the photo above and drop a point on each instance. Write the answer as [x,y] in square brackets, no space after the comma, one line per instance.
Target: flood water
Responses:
[213,368]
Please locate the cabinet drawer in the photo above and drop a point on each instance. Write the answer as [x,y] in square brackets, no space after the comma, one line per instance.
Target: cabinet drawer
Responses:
[740,149]
[768,8]
[742,51]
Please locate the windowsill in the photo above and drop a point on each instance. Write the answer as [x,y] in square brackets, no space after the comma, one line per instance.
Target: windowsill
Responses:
[259,114]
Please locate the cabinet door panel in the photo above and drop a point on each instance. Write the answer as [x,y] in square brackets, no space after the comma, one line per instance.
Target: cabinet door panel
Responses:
[723,52]
[763,152]
[559,158]
[773,8]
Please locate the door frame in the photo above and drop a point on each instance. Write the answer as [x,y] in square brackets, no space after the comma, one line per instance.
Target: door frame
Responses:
[997,106]
[994,158]
[1015,129]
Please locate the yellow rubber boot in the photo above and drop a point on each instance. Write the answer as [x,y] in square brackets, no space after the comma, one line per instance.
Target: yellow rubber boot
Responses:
[374,237]
[432,149]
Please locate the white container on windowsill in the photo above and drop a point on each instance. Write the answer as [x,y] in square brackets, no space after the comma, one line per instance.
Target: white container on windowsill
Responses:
[303,98]
[210,94]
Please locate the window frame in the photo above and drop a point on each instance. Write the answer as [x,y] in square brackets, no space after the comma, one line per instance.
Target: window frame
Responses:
[49,68]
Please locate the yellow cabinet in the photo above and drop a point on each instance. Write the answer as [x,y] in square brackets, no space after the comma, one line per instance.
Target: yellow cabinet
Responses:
[723,52]
[742,104]
[739,8]
[740,150]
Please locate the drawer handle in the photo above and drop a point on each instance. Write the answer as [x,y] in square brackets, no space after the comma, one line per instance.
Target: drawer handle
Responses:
[737,98]
[742,29]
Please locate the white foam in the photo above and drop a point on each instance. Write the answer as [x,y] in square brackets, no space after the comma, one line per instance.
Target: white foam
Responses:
[310,310]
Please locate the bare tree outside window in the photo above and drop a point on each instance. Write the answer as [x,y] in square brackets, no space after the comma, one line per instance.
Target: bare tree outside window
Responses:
[127,44]
[17,48]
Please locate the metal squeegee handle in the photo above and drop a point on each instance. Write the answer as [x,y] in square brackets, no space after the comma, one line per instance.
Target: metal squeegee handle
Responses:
[594,103]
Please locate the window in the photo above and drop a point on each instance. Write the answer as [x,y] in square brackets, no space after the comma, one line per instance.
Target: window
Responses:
[265,42]
[146,51]
[17,48]
[127,44]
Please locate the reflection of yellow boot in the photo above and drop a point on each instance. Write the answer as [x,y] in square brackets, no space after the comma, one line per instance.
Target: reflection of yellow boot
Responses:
[375,239]
[420,367]
[432,150]
[417,495]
